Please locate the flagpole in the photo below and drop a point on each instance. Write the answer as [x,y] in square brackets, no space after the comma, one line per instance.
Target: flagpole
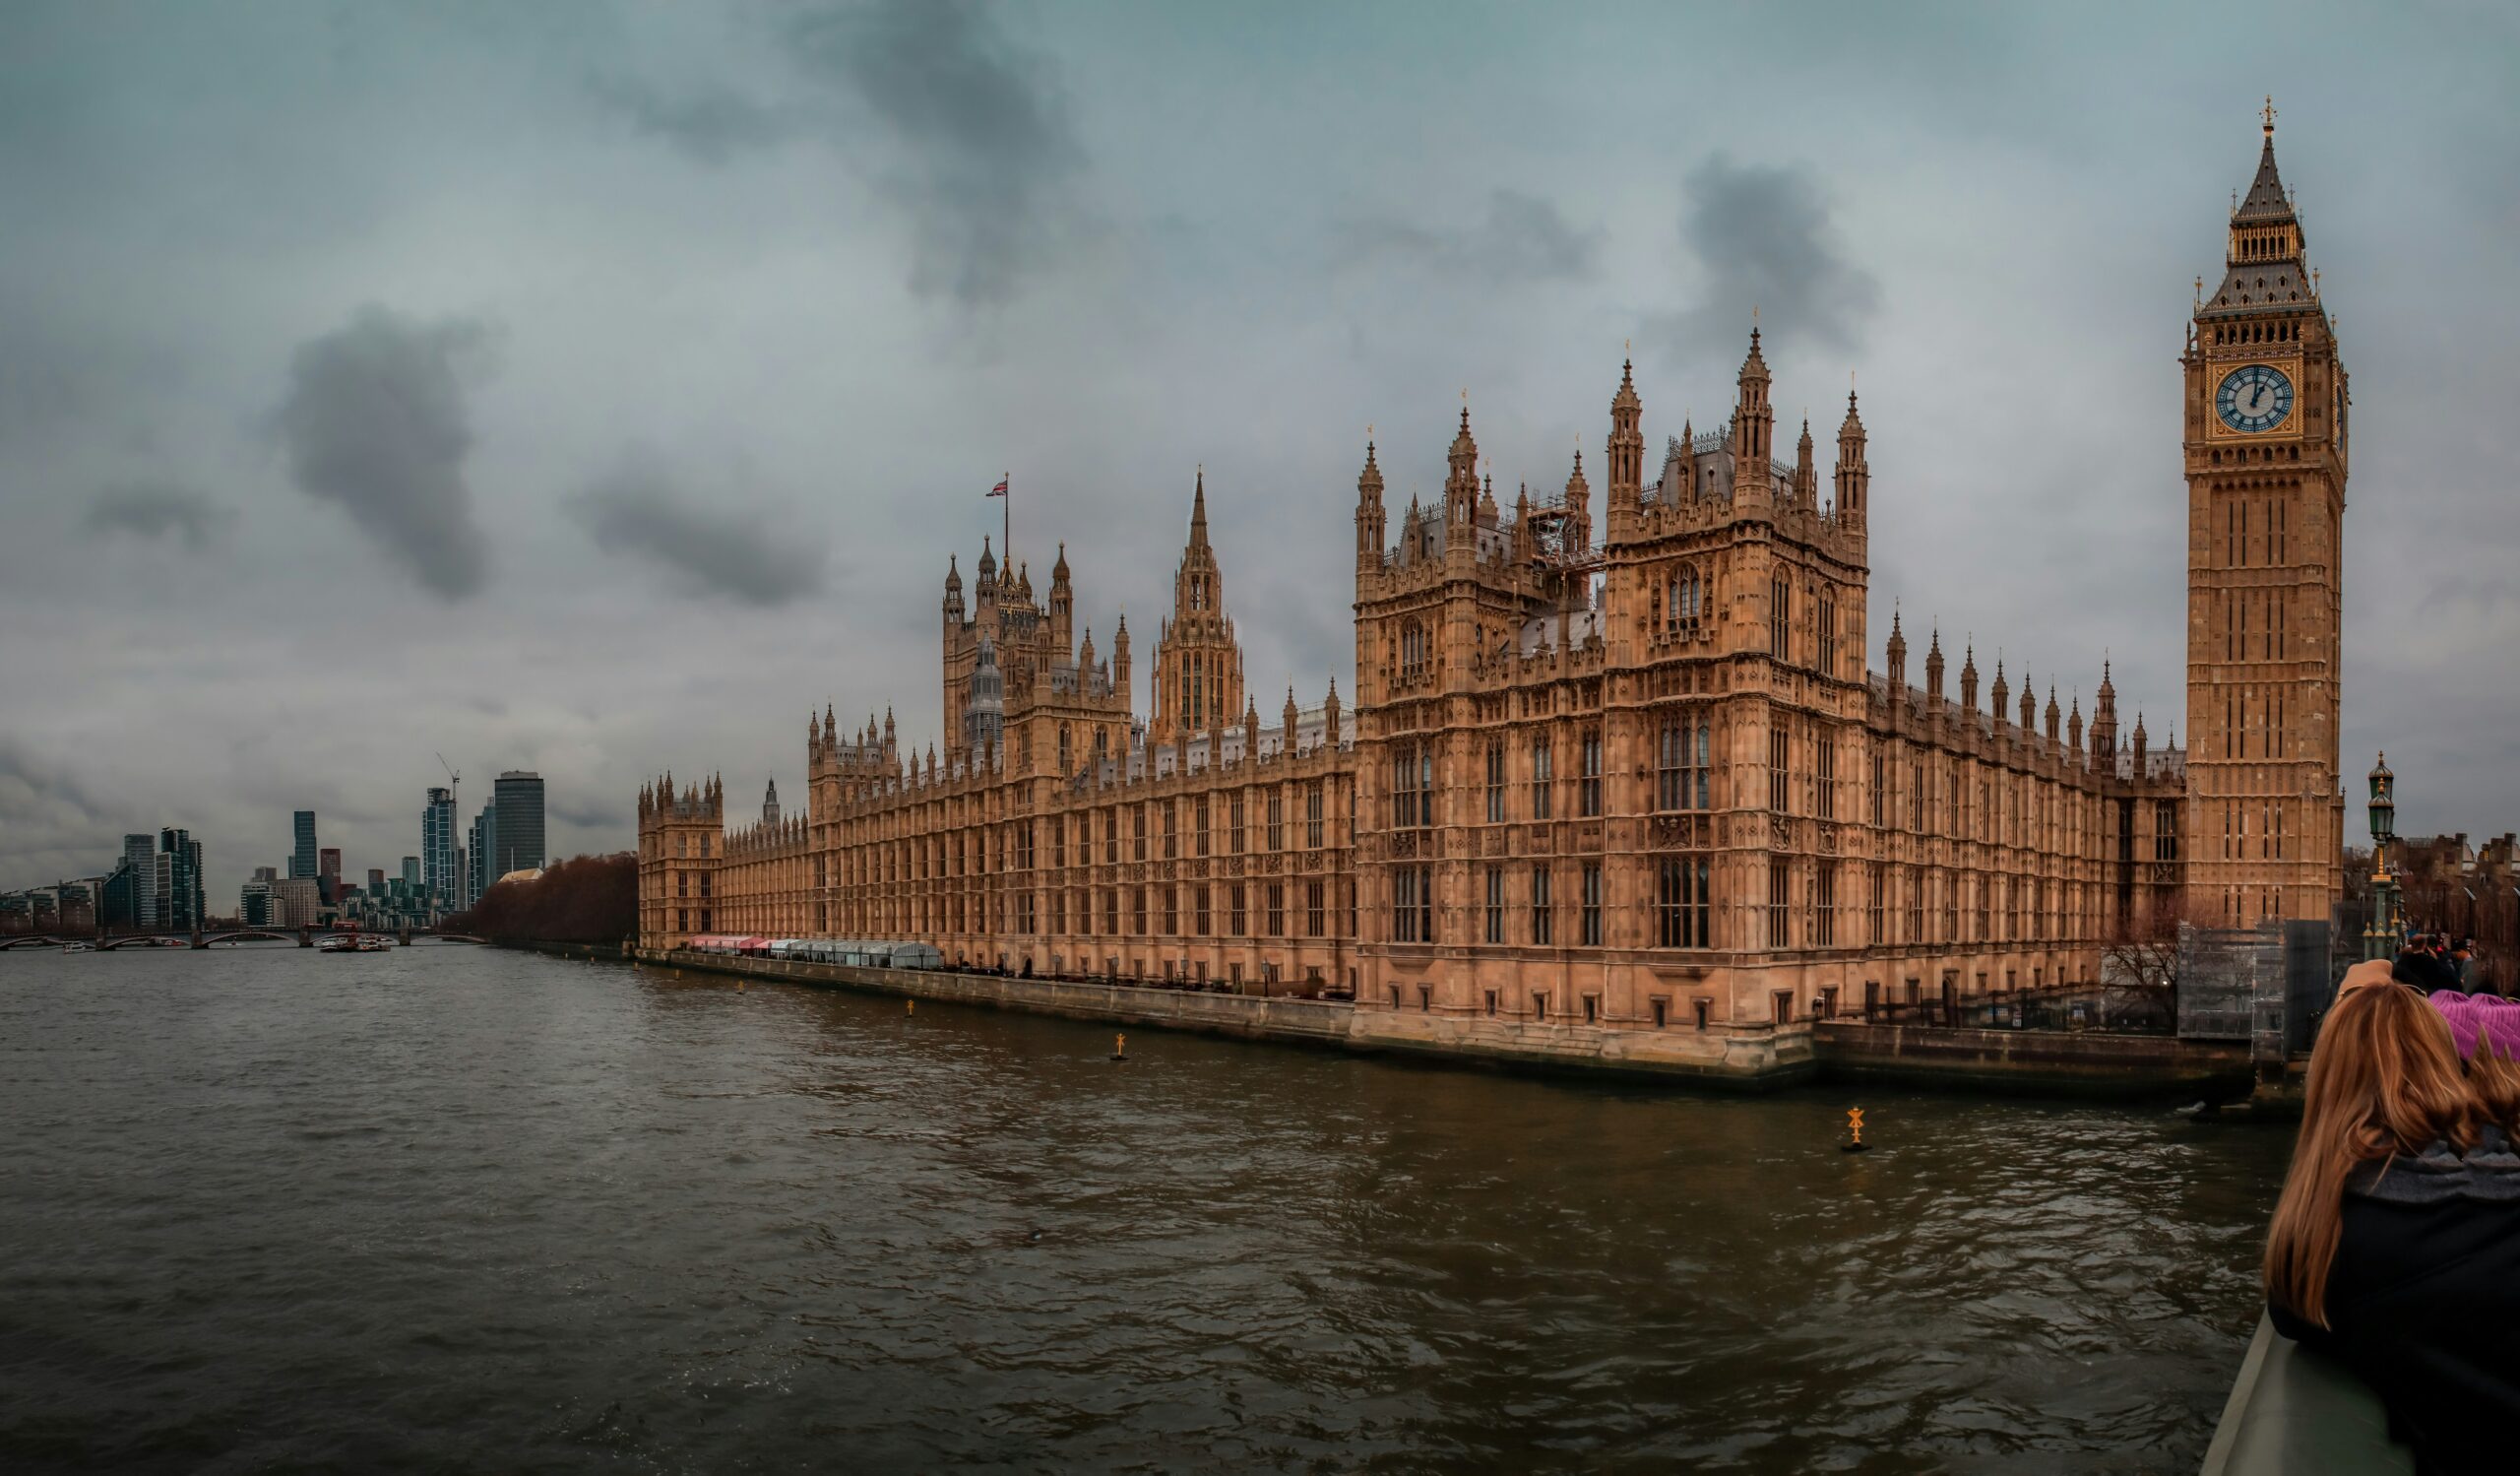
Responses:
[1006,534]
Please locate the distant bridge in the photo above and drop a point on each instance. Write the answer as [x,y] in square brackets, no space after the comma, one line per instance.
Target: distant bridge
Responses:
[304,938]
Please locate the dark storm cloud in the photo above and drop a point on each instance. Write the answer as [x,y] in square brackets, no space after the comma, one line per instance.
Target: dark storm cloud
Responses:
[984,151]
[637,510]
[1762,238]
[712,124]
[33,793]
[1524,238]
[375,422]
[154,510]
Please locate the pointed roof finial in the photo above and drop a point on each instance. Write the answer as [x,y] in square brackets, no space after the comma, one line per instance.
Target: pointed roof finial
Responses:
[2270,115]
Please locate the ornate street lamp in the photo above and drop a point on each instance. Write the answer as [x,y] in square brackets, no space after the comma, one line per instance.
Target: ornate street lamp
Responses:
[2385,936]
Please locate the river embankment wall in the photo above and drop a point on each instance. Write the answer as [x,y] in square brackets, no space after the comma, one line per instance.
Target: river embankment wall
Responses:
[1755,1058]
[2073,1062]
[1752,1059]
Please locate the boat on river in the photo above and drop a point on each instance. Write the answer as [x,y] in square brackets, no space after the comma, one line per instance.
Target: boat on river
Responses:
[77,947]
[355,942]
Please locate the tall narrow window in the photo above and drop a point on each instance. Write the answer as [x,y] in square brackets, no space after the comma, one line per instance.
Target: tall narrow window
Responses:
[1276,817]
[1780,606]
[1671,753]
[1312,809]
[1495,781]
[1824,756]
[1681,902]
[1828,656]
[1592,909]
[1780,901]
[1824,904]
[1780,751]
[1540,930]
[1493,883]
[1542,777]
[1590,789]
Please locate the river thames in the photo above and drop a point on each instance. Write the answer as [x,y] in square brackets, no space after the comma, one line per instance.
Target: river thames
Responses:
[449,1208]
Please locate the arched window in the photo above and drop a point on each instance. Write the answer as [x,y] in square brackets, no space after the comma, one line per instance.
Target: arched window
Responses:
[1064,752]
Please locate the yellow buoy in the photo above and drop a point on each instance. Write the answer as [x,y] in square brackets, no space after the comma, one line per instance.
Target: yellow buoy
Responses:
[1119,1047]
[1854,1127]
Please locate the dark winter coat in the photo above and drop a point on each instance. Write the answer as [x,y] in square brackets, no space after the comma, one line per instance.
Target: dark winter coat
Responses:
[2423,1303]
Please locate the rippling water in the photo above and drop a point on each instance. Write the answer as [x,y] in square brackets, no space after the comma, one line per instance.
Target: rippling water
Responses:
[446,1208]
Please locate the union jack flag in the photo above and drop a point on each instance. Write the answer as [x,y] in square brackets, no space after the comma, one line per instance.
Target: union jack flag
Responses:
[998,490]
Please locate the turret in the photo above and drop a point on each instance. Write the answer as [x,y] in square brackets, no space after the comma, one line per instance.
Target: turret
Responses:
[1330,716]
[2140,745]
[1370,524]
[2103,721]
[1933,667]
[1897,652]
[1999,695]
[1250,730]
[1626,443]
[1854,478]
[770,804]
[1579,509]
[1121,664]
[1806,477]
[1461,481]
[1753,434]
[952,594]
[2052,714]
[2029,709]
[1063,608]
[1290,718]
[1968,678]
[2074,725]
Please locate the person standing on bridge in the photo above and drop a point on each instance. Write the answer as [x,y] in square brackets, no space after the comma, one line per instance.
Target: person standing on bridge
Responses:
[2389,1250]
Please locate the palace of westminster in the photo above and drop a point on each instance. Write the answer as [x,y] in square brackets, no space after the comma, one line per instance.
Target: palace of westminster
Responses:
[1611,765]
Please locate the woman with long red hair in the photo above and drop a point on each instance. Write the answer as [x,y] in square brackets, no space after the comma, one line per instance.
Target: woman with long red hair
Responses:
[2390,1249]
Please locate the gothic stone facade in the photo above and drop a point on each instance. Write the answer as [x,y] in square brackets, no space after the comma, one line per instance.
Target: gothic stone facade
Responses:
[1627,782]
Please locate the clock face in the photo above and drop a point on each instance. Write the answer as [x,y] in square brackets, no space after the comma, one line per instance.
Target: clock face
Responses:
[2254,398]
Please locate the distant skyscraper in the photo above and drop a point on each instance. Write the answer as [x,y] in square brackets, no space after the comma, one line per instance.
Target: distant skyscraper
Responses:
[410,870]
[518,799]
[303,862]
[138,852]
[328,874]
[184,906]
[480,845]
[438,852]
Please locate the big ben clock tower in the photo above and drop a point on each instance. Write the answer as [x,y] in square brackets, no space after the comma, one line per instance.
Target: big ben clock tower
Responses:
[2266,462]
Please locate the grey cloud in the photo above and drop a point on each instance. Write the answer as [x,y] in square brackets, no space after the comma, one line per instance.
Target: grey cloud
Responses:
[33,791]
[376,422]
[154,510]
[1524,238]
[712,124]
[637,510]
[983,147]
[1763,239]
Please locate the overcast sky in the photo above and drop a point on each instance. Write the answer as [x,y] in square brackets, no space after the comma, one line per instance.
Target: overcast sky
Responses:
[598,388]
